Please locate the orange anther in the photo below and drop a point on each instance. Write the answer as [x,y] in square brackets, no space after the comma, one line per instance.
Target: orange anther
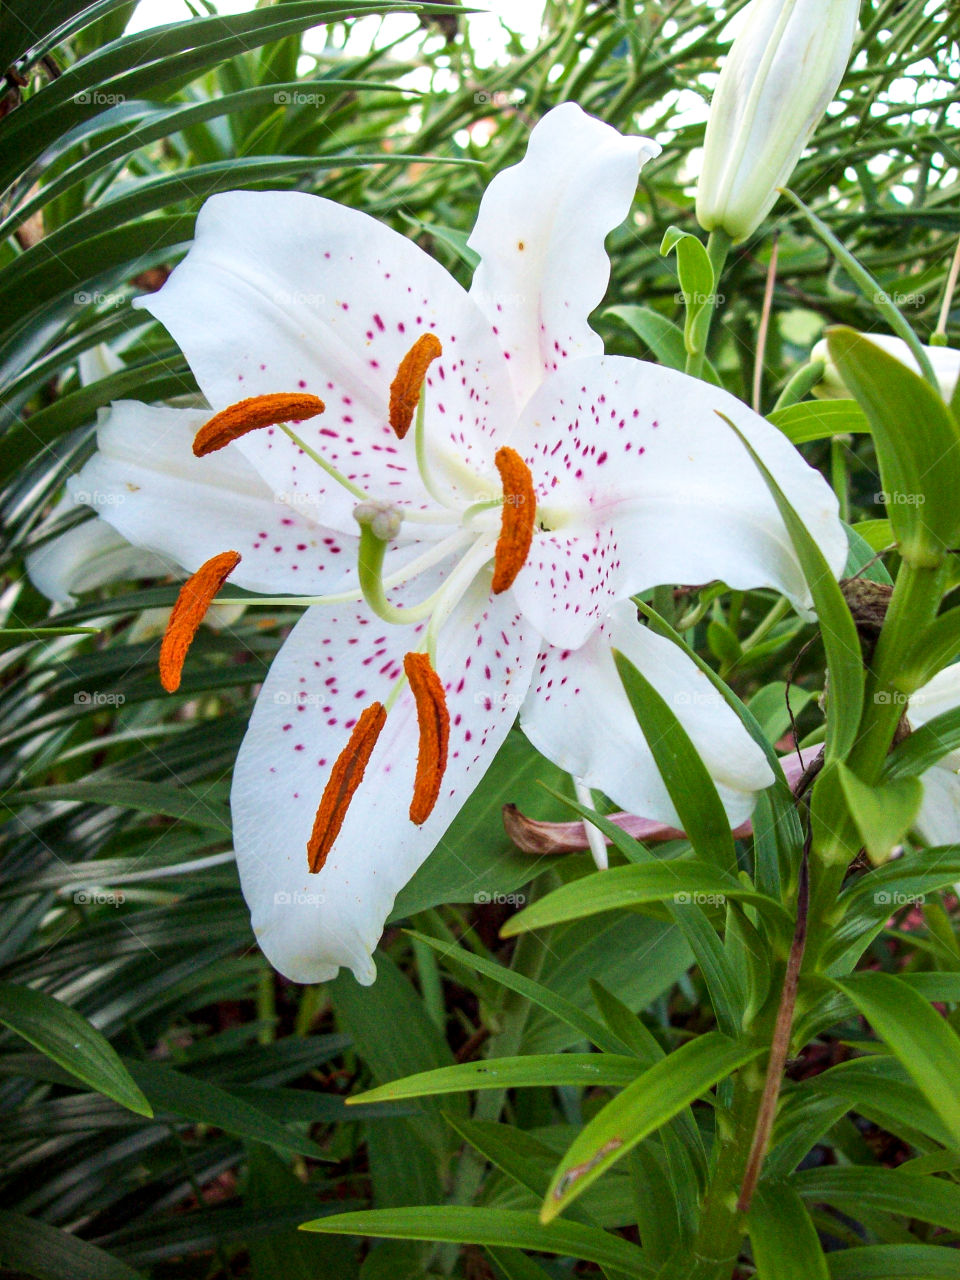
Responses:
[248,415]
[407,385]
[196,596]
[433,721]
[516,521]
[346,776]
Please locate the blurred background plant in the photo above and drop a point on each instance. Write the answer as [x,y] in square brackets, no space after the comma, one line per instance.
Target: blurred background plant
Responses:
[222,1125]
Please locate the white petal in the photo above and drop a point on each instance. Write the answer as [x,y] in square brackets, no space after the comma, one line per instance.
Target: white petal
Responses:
[335,663]
[145,481]
[641,483]
[284,291]
[938,821]
[87,556]
[577,714]
[944,360]
[540,235]
[936,698]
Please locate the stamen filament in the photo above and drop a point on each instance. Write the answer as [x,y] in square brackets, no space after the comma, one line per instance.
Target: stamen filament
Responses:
[195,598]
[346,776]
[434,555]
[328,467]
[423,465]
[446,598]
[433,722]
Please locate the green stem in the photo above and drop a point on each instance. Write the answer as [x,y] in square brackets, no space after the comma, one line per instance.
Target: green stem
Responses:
[800,384]
[870,288]
[913,605]
[719,244]
[716,1247]
[839,474]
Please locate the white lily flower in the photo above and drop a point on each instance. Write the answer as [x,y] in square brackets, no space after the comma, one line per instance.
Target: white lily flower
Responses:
[945,362]
[498,544]
[778,78]
[938,821]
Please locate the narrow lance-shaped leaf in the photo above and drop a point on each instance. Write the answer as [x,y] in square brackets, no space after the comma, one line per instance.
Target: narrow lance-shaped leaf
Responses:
[60,1032]
[685,776]
[917,440]
[660,1093]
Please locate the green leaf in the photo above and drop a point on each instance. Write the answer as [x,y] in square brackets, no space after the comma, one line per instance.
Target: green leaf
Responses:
[844,660]
[921,1039]
[538,994]
[680,881]
[895,1262]
[44,1252]
[147,797]
[820,420]
[662,336]
[935,648]
[185,1096]
[916,438]
[685,776]
[660,1093]
[476,856]
[924,747]
[695,273]
[895,1191]
[502,1228]
[783,1239]
[883,814]
[60,1032]
[548,1069]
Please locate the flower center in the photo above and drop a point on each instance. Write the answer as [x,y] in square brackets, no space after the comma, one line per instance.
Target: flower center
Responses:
[472,540]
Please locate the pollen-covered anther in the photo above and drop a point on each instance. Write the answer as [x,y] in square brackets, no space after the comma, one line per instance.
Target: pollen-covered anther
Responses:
[195,598]
[517,520]
[407,385]
[346,776]
[433,722]
[251,414]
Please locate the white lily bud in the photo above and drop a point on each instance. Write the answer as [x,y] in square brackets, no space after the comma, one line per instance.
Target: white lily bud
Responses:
[945,362]
[779,77]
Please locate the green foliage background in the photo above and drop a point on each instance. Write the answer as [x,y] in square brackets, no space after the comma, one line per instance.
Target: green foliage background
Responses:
[222,1124]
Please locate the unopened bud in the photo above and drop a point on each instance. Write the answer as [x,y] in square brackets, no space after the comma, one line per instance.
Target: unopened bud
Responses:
[779,77]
